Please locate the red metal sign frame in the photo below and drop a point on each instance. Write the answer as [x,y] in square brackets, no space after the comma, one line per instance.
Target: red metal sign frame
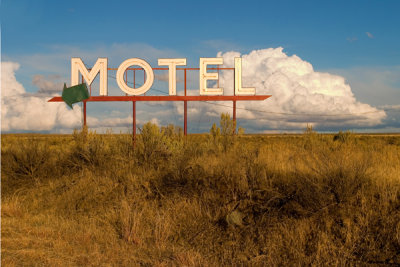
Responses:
[185,98]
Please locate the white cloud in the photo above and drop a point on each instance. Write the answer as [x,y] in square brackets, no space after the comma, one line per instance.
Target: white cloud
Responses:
[110,122]
[391,107]
[9,84]
[164,77]
[296,89]
[377,85]
[369,35]
[52,84]
[21,111]
[155,121]
[294,85]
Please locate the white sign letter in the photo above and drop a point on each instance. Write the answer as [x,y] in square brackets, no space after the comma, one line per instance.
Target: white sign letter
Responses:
[172,63]
[100,66]
[149,76]
[239,90]
[204,76]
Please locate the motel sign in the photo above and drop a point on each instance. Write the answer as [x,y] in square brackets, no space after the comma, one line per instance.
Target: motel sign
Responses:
[133,94]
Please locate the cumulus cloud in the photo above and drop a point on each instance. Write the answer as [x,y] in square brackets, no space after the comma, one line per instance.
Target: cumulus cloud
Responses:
[26,111]
[377,85]
[300,95]
[391,107]
[9,84]
[22,111]
[110,122]
[52,84]
[164,77]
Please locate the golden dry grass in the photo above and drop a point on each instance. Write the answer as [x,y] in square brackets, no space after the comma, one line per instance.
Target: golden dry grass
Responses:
[93,200]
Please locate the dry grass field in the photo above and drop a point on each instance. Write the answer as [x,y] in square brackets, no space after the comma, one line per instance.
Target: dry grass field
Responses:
[206,200]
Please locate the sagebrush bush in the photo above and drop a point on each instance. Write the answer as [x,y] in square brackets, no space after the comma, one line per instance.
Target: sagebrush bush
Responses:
[343,137]
[27,163]
[90,149]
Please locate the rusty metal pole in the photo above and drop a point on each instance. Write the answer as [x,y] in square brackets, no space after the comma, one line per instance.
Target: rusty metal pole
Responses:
[126,78]
[234,104]
[218,77]
[84,110]
[234,110]
[134,123]
[185,111]
[134,113]
[144,79]
[84,113]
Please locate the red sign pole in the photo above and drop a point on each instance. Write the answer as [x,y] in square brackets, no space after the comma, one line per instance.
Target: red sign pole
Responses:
[84,109]
[234,103]
[185,110]
[134,122]
[134,112]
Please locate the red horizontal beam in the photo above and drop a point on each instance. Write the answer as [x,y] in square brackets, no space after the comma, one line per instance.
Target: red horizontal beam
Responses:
[171,98]
[178,68]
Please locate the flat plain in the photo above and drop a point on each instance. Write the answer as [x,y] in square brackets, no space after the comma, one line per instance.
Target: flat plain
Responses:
[215,199]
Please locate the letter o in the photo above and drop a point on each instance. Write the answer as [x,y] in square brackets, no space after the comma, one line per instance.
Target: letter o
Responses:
[149,76]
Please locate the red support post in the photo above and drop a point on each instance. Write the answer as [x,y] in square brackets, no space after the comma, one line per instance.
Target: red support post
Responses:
[234,110]
[234,115]
[185,111]
[218,77]
[144,78]
[134,122]
[234,103]
[134,113]
[126,78]
[84,113]
[185,118]
[84,109]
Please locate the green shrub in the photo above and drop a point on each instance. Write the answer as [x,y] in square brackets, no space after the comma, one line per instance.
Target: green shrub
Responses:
[225,135]
[28,161]
[90,150]
[155,144]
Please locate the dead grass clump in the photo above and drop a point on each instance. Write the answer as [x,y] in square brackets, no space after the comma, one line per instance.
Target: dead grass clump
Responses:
[27,163]
[89,150]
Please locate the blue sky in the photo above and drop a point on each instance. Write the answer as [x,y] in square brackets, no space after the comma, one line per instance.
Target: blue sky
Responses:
[358,40]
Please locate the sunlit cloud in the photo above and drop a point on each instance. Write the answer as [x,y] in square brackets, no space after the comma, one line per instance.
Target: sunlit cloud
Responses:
[22,111]
[300,96]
